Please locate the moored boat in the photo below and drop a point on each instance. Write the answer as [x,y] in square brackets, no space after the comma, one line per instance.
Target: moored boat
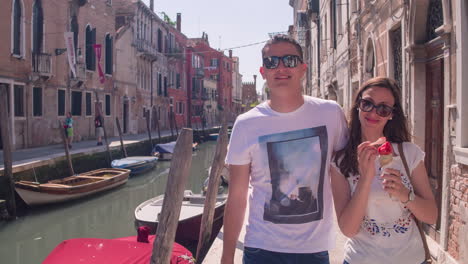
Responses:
[164,151]
[73,187]
[136,165]
[188,229]
[222,184]
[213,136]
[116,251]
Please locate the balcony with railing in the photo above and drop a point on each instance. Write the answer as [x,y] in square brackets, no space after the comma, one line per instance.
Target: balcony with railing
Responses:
[175,53]
[146,48]
[41,64]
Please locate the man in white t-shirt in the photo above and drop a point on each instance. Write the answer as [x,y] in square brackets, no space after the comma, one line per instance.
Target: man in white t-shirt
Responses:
[282,148]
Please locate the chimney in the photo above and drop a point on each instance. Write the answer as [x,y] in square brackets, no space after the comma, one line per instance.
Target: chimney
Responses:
[179,22]
[230,54]
[255,81]
[152,5]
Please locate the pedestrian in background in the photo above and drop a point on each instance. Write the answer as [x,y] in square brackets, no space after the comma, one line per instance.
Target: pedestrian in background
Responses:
[375,207]
[68,126]
[283,148]
[99,130]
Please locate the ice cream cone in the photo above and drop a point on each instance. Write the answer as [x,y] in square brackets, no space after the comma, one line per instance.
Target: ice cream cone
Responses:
[385,160]
[385,154]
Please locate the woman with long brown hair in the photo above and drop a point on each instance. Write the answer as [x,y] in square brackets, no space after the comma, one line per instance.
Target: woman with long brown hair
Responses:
[375,206]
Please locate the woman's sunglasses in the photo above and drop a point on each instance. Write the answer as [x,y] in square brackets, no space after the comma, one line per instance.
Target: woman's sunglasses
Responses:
[289,61]
[381,109]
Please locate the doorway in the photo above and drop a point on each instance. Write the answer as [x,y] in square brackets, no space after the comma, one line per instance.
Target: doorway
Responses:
[154,118]
[434,127]
[1,141]
[7,94]
[125,117]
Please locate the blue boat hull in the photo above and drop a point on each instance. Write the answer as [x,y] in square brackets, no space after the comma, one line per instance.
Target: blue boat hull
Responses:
[136,167]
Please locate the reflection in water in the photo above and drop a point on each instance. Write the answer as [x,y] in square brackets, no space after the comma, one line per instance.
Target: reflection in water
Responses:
[29,239]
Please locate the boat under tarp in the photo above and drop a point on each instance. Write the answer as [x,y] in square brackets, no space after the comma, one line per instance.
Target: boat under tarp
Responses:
[136,164]
[73,187]
[164,151]
[188,229]
[112,251]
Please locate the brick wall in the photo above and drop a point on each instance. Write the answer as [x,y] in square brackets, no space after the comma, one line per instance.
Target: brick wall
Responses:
[458,241]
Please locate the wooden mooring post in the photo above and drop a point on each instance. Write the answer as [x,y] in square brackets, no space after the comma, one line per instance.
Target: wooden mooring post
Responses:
[171,125]
[175,124]
[7,158]
[109,154]
[173,196]
[67,150]
[202,120]
[211,194]
[122,146]
[147,116]
[159,129]
[99,109]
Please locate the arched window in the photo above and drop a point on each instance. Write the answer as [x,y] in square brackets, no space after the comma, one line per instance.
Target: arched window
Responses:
[74,28]
[38,27]
[396,43]
[435,18]
[90,41]
[370,58]
[109,49]
[17,27]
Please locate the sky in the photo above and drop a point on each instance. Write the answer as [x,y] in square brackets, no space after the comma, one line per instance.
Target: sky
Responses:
[232,24]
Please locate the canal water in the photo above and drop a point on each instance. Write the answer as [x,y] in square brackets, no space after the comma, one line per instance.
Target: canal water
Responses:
[29,239]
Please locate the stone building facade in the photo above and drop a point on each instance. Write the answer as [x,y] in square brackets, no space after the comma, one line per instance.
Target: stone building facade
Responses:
[177,73]
[195,75]
[423,46]
[249,95]
[151,56]
[35,70]
[236,87]
[146,68]
[219,68]
[211,111]
[150,39]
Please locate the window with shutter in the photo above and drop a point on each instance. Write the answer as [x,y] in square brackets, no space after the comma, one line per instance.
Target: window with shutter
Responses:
[17,29]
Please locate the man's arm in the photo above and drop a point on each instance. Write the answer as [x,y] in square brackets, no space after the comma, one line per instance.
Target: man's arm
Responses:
[235,209]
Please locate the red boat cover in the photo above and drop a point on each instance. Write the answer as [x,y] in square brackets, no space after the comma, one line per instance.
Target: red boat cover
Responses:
[113,251]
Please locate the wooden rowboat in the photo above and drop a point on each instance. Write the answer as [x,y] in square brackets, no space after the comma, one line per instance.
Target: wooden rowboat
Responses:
[69,188]
[188,229]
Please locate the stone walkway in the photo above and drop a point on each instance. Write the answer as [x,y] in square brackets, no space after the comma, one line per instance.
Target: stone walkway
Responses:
[216,250]
[24,159]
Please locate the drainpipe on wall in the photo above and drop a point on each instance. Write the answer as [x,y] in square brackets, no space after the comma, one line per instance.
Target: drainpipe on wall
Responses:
[317,22]
[151,96]
[189,87]
[350,86]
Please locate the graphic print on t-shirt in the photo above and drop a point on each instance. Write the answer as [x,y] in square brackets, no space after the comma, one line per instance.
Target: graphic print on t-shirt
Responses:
[296,160]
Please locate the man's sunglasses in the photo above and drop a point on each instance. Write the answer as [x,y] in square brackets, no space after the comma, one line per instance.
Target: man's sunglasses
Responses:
[289,61]
[381,109]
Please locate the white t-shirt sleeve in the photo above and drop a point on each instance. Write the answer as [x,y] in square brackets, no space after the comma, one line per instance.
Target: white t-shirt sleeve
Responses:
[238,149]
[413,154]
[341,135]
